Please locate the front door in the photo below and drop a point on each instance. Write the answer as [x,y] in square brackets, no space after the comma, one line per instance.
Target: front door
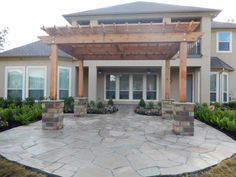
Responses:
[190,88]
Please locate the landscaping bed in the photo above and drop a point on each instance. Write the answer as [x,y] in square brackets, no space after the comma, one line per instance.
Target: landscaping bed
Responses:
[149,109]
[221,118]
[14,113]
[93,107]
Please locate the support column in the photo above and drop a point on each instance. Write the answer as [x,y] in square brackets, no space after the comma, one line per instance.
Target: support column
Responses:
[167,86]
[53,81]
[167,103]
[80,104]
[182,71]
[92,83]
[81,79]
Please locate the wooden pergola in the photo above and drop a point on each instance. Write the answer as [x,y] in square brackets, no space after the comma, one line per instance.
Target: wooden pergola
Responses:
[154,41]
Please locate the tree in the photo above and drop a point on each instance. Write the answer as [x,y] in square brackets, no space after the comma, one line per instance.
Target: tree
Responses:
[3,33]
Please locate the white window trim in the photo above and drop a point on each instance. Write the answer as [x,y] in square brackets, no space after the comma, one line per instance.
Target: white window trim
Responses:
[64,67]
[217,42]
[130,86]
[217,85]
[222,87]
[45,79]
[6,79]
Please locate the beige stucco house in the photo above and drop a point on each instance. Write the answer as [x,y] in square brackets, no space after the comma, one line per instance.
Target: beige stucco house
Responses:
[25,71]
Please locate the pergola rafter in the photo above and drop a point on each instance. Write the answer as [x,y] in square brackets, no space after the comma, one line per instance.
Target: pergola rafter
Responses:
[154,41]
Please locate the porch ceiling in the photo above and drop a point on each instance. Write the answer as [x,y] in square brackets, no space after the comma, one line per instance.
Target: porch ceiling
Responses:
[155,41]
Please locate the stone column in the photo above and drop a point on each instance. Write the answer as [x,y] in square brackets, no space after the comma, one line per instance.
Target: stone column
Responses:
[80,106]
[52,114]
[167,108]
[183,119]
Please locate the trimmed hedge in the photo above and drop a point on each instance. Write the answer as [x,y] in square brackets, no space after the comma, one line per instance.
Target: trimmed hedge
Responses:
[224,119]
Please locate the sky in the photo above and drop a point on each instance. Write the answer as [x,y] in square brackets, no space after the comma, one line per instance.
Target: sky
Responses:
[24,18]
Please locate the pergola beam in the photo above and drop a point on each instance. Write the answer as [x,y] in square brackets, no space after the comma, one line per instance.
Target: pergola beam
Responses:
[122,38]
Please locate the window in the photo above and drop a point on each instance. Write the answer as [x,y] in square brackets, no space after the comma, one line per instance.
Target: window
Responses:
[36,82]
[137,87]
[15,82]
[151,87]
[224,41]
[110,86]
[214,82]
[124,86]
[64,82]
[224,88]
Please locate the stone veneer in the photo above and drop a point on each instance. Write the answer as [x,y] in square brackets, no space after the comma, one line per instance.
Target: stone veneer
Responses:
[52,114]
[80,106]
[183,118]
[167,108]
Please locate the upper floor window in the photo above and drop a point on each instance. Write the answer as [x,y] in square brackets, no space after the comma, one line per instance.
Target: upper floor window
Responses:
[224,42]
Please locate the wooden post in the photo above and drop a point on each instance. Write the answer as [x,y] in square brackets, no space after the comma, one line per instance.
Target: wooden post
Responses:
[81,79]
[53,81]
[167,82]
[182,71]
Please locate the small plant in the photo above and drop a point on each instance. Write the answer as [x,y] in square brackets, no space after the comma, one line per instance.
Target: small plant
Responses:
[110,102]
[150,105]
[92,104]
[29,101]
[142,103]
[69,105]
[100,105]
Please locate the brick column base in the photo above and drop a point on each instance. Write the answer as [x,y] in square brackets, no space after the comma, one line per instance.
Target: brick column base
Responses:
[52,114]
[183,119]
[167,108]
[80,106]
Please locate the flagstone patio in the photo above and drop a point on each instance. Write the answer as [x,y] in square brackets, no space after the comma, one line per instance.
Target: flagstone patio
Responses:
[116,145]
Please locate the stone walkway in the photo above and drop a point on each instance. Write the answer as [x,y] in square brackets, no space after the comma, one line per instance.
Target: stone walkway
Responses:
[123,144]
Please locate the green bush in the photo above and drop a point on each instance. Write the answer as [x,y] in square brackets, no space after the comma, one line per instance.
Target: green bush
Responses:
[142,103]
[150,105]
[216,104]
[110,102]
[92,104]
[69,105]
[224,119]
[230,105]
[100,105]
[29,101]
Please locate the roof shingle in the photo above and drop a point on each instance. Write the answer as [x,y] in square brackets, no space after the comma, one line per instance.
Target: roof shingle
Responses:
[141,7]
[222,25]
[34,49]
[217,63]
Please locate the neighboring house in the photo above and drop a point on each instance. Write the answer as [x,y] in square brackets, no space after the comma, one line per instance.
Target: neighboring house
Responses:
[25,71]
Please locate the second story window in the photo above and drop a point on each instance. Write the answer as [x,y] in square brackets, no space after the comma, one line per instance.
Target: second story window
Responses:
[224,42]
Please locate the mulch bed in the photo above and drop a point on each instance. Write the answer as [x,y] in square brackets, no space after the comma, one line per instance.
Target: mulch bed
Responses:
[227,132]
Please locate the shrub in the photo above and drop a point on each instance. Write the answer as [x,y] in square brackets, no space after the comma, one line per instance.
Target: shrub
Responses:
[150,105]
[29,101]
[224,119]
[142,103]
[110,102]
[69,105]
[100,105]
[92,104]
[230,105]
[216,105]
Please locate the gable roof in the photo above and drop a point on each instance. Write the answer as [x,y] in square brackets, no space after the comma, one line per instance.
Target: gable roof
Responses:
[217,63]
[221,25]
[34,49]
[141,7]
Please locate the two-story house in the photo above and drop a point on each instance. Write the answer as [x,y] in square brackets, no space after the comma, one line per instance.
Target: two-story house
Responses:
[25,71]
